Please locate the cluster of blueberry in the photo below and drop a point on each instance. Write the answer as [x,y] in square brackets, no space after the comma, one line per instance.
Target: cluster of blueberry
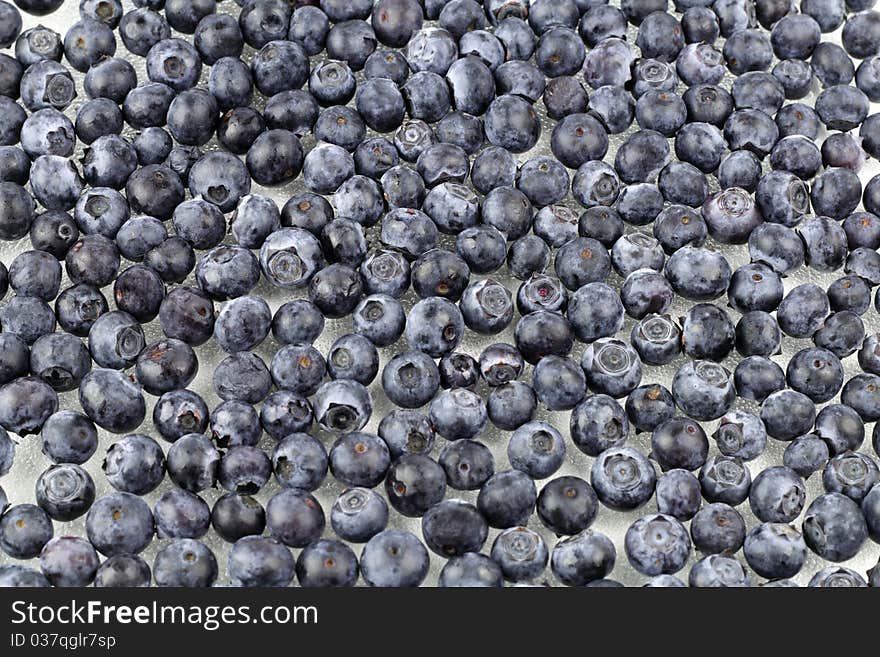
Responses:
[412,239]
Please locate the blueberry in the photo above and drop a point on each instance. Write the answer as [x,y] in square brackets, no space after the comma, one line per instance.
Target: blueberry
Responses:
[64,492]
[193,462]
[299,368]
[394,558]
[541,292]
[849,293]
[678,494]
[327,563]
[123,571]
[718,529]
[860,393]
[69,561]
[679,443]
[185,562]
[407,432]
[718,571]
[119,523]
[698,274]
[834,527]
[181,514]
[725,479]
[359,514]
[803,310]
[806,455]
[215,37]
[741,435]
[707,332]
[583,558]
[837,576]
[235,516]
[840,427]
[134,464]
[60,360]
[777,494]
[353,357]
[260,561]
[657,544]
[435,326]
[521,554]
[470,570]
[529,255]
[359,459]
[244,469]
[852,474]
[436,272]
[284,412]
[45,132]
[342,405]
[294,517]
[757,333]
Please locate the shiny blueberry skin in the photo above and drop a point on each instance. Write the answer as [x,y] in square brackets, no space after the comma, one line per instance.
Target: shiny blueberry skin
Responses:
[68,437]
[294,517]
[470,570]
[585,557]
[235,516]
[407,432]
[852,474]
[394,558]
[123,571]
[468,464]
[567,505]
[457,414]
[185,562]
[718,528]
[119,523]
[410,379]
[64,492]
[595,311]
[521,553]
[787,414]
[834,527]
[777,494]
[327,563]
[135,464]
[260,561]
[192,462]
[755,287]
[507,498]
[657,544]
[359,514]
[679,443]
[181,514]
[359,459]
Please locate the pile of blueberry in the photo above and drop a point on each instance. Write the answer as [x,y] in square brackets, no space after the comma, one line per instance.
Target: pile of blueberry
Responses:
[488,216]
